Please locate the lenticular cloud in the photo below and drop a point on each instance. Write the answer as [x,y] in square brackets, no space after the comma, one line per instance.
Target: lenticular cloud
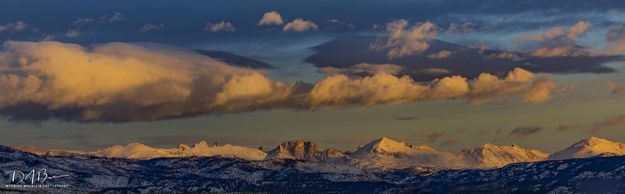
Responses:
[118,82]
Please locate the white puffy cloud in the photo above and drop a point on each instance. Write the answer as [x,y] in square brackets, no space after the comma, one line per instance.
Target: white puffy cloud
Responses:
[124,82]
[150,27]
[404,41]
[271,18]
[299,25]
[17,26]
[222,26]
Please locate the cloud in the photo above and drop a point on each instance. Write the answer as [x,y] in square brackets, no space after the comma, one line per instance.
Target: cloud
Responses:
[107,18]
[560,33]
[460,28]
[342,91]
[363,69]
[540,91]
[615,87]
[17,26]
[522,132]
[567,50]
[336,23]
[113,18]
[486,86]
[439,138]
[436,71]
[440,55]
[82,21]
[219,27]
[271,18]
[299,25]
[78,24]
[567,127]
[560,41]
[616,41]
[505,55]
[72,33]
[609,122]
[120,82]
[404,41]
[150,27]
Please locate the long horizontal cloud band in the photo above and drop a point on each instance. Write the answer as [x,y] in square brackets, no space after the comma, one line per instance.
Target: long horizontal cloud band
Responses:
[120,82]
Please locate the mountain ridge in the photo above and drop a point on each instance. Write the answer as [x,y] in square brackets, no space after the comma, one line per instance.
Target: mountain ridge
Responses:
[216,174]
[382,153]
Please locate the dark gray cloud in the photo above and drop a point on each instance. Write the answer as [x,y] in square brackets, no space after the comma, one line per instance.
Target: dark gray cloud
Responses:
[521,132]
[348,51]
[609,122]
[568,127]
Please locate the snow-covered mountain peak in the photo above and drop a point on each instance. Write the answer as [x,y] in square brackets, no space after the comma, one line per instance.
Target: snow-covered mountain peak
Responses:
[594,141]
[590,147]
[492,155]
[388,146]
[183,146]
[201,144]
[386,153]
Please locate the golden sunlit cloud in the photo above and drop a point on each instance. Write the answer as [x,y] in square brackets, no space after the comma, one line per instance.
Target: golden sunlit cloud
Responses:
[560,41]
[299,25]
[271,18]
[404,41]
[125,82]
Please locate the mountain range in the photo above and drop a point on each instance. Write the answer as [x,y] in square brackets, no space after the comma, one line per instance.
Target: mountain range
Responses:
[380,154]
[78,173]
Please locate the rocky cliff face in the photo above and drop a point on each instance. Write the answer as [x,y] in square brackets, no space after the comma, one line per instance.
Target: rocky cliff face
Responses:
[302,150]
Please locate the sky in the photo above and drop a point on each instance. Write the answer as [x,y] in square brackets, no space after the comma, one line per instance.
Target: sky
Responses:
[450,74]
